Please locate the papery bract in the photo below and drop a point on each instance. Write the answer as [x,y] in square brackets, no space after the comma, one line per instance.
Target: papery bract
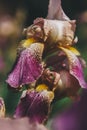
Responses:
[55,11]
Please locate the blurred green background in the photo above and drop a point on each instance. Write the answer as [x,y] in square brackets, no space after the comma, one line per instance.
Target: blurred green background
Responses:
[14,16]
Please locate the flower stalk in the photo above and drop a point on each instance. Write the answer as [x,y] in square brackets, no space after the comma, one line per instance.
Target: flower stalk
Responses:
[48,60]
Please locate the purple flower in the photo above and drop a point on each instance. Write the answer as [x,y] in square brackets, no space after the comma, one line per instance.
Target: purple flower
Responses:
[66,122]
[35,105]
[28,68]
[75,117]
[66,62]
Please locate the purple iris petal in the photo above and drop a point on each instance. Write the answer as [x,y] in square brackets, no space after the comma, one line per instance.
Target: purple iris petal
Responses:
[34,105]
[75,118]
[66,121]
[75,67]
[27,69]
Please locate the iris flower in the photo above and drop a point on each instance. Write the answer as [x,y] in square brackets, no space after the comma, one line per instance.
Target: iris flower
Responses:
[49,60]
[51,34]
[47,34]
[35,105]
[66,65]
[57,32]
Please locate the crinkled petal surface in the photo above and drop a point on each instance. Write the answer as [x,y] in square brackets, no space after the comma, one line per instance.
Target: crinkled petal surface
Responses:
[27,69]
[34,105]
[75,67]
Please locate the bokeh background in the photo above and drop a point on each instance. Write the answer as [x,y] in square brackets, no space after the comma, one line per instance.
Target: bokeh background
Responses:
[18,14]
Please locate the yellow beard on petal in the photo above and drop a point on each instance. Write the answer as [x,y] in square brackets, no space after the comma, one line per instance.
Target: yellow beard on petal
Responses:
[45,89]
[72,49]
[42,87]
[28,42]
